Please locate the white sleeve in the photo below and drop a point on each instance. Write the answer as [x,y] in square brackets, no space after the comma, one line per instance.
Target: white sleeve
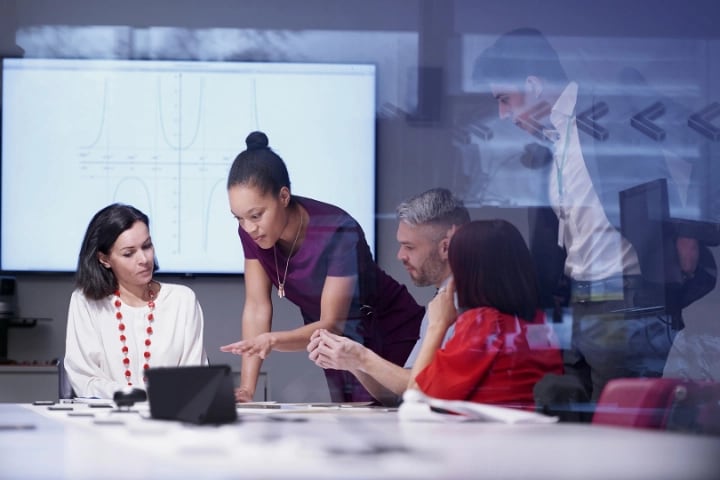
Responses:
[84,352]
[423,330]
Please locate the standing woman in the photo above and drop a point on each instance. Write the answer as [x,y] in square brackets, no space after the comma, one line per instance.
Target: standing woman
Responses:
[121,321]
[317,257]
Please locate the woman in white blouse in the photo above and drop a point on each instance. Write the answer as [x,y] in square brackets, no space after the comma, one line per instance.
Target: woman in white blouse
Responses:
[121,321]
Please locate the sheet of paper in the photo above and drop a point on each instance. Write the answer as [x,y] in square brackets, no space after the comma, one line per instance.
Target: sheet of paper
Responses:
[418,406]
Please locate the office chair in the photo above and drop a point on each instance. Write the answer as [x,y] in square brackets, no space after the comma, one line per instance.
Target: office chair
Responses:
[660,403]
[65,390]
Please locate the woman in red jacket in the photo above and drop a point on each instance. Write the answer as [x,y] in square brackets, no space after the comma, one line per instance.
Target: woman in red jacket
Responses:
[501,346]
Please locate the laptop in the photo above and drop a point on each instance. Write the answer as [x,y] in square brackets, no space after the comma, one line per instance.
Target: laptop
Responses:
[197,394]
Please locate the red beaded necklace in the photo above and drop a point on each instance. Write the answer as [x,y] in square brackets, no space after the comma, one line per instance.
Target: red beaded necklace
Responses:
[123,338]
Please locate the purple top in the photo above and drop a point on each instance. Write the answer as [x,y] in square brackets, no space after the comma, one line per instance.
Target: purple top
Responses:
[383,311]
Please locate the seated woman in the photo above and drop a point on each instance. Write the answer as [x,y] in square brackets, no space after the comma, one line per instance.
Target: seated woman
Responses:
[501,346]
[120,321]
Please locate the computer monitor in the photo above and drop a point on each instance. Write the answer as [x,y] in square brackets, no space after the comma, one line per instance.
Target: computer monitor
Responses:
[644,215]
[646,223]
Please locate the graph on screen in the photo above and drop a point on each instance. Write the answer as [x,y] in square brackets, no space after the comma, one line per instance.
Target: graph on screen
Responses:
[80,134]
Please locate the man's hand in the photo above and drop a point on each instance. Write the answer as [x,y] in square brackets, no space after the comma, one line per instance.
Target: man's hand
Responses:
[328,350]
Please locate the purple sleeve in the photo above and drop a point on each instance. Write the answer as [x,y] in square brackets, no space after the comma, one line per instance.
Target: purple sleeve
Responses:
[342,252]
[249,247]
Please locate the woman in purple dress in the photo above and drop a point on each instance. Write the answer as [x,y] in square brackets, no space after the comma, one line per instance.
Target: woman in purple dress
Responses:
[316,256]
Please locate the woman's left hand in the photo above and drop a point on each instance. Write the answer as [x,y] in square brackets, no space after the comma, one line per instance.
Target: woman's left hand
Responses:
[441,309]
[261,346]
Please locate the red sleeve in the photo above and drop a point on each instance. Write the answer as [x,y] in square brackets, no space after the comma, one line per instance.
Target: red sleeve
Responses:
[466,360]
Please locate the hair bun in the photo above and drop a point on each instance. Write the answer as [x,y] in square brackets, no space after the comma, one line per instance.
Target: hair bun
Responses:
[256,141]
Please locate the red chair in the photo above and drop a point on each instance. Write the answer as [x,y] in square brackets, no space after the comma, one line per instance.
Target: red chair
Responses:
[660,403]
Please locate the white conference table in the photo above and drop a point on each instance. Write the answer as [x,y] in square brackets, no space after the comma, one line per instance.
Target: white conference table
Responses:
[334,442]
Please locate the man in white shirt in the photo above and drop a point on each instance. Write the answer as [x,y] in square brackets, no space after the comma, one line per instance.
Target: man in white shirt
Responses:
[426,223]
[582,258]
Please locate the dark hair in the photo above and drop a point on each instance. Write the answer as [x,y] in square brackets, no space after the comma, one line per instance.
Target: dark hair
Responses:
[517,55]
[492,267]
[92,278]
[437,206]
[259,166]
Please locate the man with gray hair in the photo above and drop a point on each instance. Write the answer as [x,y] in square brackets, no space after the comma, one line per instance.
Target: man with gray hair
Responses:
[426,223]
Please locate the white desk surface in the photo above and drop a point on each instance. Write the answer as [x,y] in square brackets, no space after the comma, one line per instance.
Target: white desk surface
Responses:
[37,443]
